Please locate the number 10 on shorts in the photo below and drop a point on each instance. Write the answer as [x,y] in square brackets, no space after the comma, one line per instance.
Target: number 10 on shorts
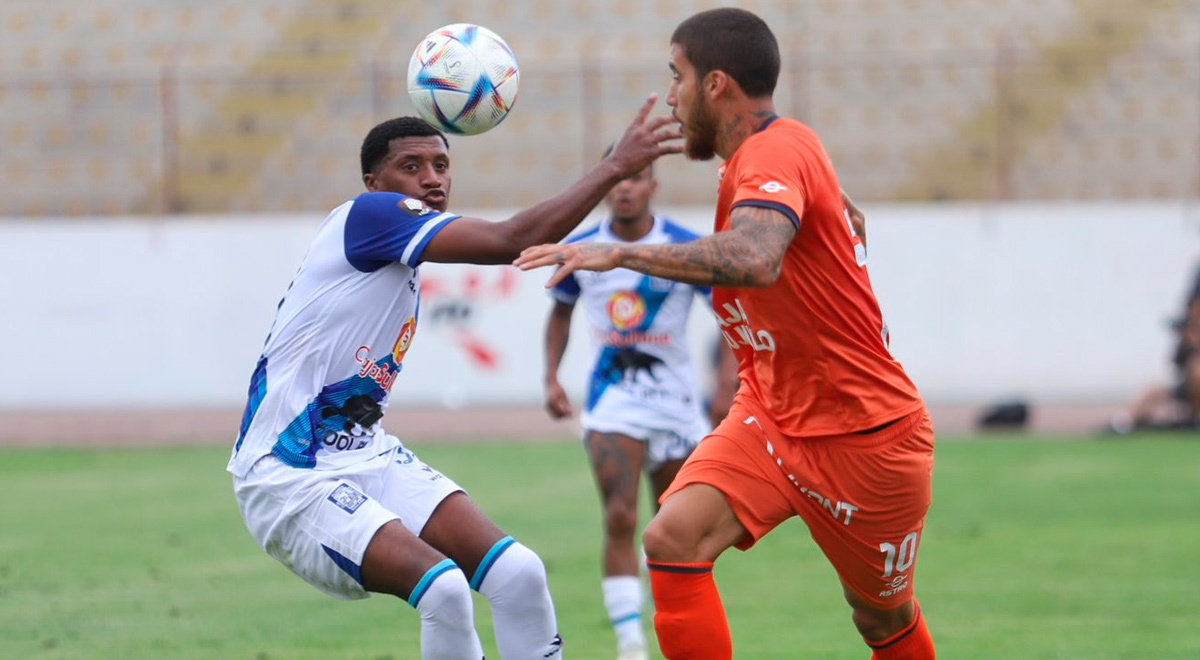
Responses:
[899,560]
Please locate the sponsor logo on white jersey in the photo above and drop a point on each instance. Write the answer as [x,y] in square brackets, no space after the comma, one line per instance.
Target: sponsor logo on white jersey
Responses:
[626,309]
[383,374]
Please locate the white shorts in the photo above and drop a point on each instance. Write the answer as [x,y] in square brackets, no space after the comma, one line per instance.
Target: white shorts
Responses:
[318,522]
[662,445]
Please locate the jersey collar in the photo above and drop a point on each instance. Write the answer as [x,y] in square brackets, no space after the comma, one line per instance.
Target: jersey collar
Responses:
[610,237]
[766,122]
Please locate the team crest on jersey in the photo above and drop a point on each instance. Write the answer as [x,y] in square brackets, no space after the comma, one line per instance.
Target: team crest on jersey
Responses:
[415,207]
[626,310]
[404,340]
[347,498]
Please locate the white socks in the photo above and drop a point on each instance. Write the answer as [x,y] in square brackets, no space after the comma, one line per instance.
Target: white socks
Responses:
[443,599]
[623,602]
[513,579]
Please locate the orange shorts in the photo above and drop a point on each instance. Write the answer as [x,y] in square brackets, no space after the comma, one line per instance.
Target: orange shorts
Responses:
[863,496]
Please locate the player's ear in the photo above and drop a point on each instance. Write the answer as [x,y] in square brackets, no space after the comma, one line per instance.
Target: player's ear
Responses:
[717,83]
[369,181]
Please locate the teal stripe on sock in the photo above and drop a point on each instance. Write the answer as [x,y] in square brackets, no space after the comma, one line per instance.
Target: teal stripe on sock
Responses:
[489,559]
[427,579]
[628,617]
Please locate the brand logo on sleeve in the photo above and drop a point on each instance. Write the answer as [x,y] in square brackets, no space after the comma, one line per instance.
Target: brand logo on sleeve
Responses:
[772,187]
[415,207]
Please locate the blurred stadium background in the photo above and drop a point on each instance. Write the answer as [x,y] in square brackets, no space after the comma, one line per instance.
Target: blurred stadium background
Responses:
[1030,169]
[1031,174]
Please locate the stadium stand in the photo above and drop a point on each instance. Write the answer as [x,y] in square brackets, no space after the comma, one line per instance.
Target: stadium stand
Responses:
[149,106]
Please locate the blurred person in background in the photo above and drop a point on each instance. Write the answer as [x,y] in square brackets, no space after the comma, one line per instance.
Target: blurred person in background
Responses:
[1175,406]
[826,424]
[321,486]
[643,409]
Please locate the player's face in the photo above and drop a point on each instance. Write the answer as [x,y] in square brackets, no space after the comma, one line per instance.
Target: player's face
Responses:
[690,108]
[630,199]
[415,166]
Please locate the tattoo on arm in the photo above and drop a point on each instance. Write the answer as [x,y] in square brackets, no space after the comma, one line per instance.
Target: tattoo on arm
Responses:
[750,253]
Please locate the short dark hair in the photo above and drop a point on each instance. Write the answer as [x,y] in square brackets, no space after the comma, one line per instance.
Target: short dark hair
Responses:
[377,143]
[734,41]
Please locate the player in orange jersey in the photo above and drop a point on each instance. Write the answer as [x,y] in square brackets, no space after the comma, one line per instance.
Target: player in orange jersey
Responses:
[825,424]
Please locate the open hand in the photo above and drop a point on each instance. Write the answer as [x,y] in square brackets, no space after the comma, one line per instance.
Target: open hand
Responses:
[645,140]
[570,258]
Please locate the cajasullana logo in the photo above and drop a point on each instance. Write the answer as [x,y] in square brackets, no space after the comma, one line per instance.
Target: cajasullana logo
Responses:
[404,341]
[626,310]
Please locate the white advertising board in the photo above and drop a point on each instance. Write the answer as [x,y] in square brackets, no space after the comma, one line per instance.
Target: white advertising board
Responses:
[1056,303]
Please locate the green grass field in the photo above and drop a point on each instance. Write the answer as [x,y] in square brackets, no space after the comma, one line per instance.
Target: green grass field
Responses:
[1033,549]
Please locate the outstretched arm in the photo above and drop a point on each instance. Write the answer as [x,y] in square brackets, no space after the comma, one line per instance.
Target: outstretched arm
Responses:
[749,254]
[478,241]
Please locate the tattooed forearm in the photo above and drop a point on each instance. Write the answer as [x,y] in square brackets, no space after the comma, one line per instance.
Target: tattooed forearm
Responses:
[749,254]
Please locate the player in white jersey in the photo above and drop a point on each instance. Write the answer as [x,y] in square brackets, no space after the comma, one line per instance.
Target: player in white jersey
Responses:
[643,410]
[322,487]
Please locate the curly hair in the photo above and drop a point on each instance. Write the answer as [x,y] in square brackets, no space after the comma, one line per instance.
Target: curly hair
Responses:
[734,41]
[378,142]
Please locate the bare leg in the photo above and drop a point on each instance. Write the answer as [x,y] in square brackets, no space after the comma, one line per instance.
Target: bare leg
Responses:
[661,479]
[895,634]
[876,625]
[693,527]
[616,461]
[462,531]
[510,575]
[399,563]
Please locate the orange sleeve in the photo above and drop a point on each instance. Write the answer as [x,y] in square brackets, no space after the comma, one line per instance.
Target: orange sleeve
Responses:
[768,176]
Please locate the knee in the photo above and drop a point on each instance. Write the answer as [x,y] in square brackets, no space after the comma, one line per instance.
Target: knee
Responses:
[532,574]
[665,541]
[620,519]
[448,599]
[877,625]
[520,575]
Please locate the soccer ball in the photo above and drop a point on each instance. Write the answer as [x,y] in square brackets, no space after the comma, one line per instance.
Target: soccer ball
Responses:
[463,79]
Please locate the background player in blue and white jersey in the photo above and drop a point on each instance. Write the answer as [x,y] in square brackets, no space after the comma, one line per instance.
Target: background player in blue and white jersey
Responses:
[643,409]
[322,487]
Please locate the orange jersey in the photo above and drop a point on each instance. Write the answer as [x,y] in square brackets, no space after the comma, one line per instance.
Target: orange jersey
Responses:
[812,347]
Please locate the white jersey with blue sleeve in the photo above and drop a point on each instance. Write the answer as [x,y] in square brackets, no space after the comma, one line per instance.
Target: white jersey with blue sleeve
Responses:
[339,338]
[642,374]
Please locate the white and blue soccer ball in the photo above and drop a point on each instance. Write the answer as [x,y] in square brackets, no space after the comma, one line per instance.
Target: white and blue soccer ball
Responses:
[463,79]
